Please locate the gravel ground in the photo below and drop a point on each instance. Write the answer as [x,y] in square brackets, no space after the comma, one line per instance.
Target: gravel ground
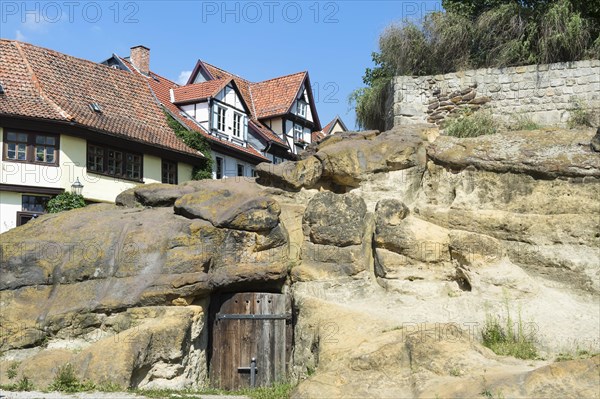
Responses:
[94,395]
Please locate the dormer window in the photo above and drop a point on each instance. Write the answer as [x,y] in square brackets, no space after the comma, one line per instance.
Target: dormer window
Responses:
[301,108]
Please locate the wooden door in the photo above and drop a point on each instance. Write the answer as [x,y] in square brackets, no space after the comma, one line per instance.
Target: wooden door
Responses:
[246,326]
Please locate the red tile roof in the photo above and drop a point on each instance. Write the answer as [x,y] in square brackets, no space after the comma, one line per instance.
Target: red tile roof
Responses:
[266,99]
[45,84]
[199,91]
[162,86]
[242,83]
[328,127]
[275,96]
[316,136]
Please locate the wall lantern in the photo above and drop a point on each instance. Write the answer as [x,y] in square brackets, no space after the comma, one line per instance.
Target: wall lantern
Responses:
[77,187]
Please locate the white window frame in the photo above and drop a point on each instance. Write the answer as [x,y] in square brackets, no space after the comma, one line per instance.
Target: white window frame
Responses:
[301,106]
[237,125]
[221,118]
[298,134]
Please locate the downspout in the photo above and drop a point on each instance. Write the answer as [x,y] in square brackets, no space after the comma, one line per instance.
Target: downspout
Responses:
[269,143]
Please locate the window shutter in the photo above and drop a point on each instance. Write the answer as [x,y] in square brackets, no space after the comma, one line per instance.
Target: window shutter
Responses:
[245,131]
[215,116]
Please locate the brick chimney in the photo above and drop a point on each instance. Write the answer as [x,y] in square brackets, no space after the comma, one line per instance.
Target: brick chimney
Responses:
[140,58]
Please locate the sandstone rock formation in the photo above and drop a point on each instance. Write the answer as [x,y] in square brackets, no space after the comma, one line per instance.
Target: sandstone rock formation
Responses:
[395,246]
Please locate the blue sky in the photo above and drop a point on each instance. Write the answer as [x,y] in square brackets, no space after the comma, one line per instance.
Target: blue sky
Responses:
[258,40]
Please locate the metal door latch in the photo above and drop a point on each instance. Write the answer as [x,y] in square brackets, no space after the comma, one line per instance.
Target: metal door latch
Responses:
[252,369]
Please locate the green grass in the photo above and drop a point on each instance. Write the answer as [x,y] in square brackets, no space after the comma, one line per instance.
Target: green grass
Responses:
[577,355]
[580,115]
[523,122]
[277,391]
[24,384]
[11,372]
[504,339]
[471,125]
[65,380]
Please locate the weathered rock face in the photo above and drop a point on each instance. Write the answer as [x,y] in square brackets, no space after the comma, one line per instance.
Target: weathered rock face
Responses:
[595,143]
[333,244]
[290,175]
[346,159]
[105,261]
[543,155]
[396,247]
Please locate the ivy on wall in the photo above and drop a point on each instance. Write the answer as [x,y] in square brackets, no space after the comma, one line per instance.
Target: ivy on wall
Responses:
[196,141]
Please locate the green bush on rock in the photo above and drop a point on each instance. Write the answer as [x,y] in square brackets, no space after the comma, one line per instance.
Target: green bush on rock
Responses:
[64,202]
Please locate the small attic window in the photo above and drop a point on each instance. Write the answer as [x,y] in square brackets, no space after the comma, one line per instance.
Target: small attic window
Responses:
[2,89]
[96,108]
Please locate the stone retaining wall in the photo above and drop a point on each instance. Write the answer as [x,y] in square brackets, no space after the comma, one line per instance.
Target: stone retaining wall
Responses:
[545,93]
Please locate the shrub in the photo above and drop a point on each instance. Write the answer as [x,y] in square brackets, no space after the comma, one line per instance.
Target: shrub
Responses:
[65,380]
[474,124]
[64,202]
[504,340]
[563,35]
[370,104]
[24,384]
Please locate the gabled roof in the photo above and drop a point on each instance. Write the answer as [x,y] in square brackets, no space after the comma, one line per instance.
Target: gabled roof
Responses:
[267,99]
[45,84]
[276,96]
[327,129]
[218,73]
[162,86]
[199,91]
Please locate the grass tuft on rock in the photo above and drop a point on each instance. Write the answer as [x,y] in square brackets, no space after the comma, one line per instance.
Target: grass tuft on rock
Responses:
[523,122]
[471,124]
[580,115]
[66,380]
[509,338]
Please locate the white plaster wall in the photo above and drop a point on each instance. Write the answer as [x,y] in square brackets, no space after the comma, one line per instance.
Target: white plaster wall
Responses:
[72,165]
[198,111]
[10,204]
[230,166]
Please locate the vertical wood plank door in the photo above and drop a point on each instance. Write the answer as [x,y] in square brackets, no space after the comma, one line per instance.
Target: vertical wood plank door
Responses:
[245,326]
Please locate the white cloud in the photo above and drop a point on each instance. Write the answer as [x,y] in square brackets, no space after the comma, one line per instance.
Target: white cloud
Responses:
[20,36]
[183,77]
[35,22]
